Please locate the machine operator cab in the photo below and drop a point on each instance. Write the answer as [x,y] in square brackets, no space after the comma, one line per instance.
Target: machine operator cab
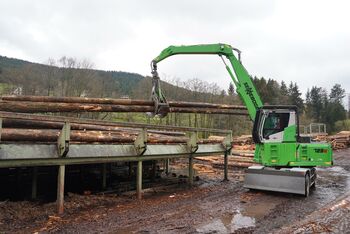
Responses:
[275,124]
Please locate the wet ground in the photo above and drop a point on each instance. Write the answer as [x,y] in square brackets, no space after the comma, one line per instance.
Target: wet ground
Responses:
[211,206]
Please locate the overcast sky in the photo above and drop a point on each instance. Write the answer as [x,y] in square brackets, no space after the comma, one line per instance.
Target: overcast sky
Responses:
[297,40]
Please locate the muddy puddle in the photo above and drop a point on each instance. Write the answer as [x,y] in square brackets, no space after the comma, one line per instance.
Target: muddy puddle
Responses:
[228,223]
[242,219]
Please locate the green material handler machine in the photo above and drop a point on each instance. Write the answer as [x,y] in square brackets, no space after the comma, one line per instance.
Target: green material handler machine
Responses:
[287,160]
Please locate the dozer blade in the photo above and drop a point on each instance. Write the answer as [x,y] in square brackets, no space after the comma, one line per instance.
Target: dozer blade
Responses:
[288,180]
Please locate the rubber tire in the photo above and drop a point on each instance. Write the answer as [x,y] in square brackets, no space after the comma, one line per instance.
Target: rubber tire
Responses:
[307,185]
[313,186]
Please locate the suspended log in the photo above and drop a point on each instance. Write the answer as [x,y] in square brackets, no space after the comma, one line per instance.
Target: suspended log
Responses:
[206,105]
[207,111]
[117,101]
[53,107]
[40,107]
[78,100]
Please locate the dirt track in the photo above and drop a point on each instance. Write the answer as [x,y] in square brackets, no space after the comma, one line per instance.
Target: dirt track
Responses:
[212,206]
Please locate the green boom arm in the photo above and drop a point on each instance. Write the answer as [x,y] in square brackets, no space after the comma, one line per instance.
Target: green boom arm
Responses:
[241,79]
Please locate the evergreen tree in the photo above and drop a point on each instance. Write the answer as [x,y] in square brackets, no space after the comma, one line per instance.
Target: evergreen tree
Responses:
[231,90]
[315,102]
[337,93]
[284,95]
[334,110]
[295,96]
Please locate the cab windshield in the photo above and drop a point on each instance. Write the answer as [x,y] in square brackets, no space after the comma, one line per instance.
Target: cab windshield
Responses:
[274,123]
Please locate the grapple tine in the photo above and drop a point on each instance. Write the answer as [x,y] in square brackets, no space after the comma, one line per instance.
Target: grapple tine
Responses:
[161,106]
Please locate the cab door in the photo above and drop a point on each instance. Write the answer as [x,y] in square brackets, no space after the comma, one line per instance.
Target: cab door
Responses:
[275,126]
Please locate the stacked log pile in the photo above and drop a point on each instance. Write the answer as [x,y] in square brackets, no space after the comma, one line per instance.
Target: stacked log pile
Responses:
[242,158]
[242,153]
[46,129]
[238,158]
[244,140]
[18,126]
[341,140]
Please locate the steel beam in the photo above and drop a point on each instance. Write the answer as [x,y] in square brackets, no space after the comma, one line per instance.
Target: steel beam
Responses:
[17,155]
[34,182]
[60,189]
[49,151]
[139,180]
[190,170]
[226,166]
[167,164]
[104,176]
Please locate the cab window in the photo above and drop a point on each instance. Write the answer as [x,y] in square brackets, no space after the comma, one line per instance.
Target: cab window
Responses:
[274,123]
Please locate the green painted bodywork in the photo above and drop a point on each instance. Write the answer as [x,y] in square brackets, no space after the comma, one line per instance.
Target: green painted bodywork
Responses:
[289,134]
[294,154]
[286,153]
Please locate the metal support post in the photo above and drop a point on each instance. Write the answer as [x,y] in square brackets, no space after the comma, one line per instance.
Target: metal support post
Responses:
[226,166]
[104,176]
[154,170]
[140,144]
[34,182]
[19,181]
[167,162]
[227,144]
[60,189]
[139,180]
[190,170]
[130,168]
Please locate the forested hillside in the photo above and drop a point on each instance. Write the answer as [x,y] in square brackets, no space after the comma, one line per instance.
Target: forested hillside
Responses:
[66,76]
[71,77]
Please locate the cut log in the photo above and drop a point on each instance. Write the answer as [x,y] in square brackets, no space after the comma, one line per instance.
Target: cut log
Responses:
[40,107]
[207,111]
[117,101]
[27,123]
[78,100]
[61,119]
[49,135]
[41,135]
[54,107]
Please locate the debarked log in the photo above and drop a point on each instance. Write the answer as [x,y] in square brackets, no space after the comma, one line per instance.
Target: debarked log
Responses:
[117,101]
[36,124]
[48,135]
[61,119]
[54,107]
